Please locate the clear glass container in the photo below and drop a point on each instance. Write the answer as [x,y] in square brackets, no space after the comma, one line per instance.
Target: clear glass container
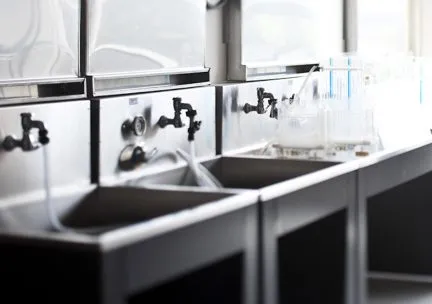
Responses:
[302,124]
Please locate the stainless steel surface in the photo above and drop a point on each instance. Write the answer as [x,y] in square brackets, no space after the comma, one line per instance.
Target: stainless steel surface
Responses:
[270,38]
[115,111]
[236,129]
[399,277]
[378,173]
[39,39]
[240,172]
[351,25]
[118,216]
[29,91]
[128,37]
[387,291]
[69,148]
[105,209]
[133,83]
[399,165]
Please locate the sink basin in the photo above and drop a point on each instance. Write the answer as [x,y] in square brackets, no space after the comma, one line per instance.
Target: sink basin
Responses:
[142,238]
[105,209]
[241,172]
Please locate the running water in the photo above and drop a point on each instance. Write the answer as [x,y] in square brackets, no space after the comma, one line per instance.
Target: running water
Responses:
[203,177]
[52,216]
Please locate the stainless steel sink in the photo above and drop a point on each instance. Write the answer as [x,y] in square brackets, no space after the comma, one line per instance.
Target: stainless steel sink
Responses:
[237,172]
[294,194]
[105,209]
[139,237]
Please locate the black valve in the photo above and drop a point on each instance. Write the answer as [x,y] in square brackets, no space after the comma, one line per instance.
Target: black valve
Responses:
[26,144]
[137,126]
[133,156]
[194,126]
[260,108]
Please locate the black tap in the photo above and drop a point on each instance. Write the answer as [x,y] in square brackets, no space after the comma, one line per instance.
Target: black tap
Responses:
[26,144]
[194,126]
[260,107]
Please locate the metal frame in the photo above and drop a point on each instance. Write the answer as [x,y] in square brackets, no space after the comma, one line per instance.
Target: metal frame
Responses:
[138,257]
[236,69]
[350,25]
[140,81]
[34,91]
[112,85]
[298,209]
[377,174]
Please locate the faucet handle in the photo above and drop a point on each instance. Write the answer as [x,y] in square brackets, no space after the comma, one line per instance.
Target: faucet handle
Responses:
[10,143]
[135,155]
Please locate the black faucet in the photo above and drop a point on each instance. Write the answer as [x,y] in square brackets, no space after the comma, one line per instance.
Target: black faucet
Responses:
[260,107]
[26,144]
[194,126]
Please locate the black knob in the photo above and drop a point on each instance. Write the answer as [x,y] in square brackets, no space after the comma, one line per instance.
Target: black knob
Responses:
[248,108]
[9,143]
[163,121]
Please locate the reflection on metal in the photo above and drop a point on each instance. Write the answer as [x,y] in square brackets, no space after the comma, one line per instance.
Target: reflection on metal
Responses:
[152,106]
[39,50]
[69,134]
[39,39]
[134,47]
[277,38]
[41,90]
[236,129]
[104,85]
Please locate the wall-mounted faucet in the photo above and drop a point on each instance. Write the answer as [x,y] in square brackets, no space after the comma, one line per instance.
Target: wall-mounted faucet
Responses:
[26,143]
[194,126]
[260,108]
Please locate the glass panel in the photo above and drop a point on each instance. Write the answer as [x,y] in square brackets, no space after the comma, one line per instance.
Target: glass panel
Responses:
[290,31]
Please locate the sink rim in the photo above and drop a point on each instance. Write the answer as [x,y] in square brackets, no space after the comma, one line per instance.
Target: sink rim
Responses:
[279,189]
[135,232]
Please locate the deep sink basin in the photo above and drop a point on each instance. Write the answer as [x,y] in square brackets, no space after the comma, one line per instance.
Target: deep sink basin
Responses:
[104,209]
[124,242]
[238,172]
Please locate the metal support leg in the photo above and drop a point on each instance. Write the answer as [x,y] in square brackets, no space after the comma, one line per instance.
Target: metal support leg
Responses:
[251,257]
[269,286]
